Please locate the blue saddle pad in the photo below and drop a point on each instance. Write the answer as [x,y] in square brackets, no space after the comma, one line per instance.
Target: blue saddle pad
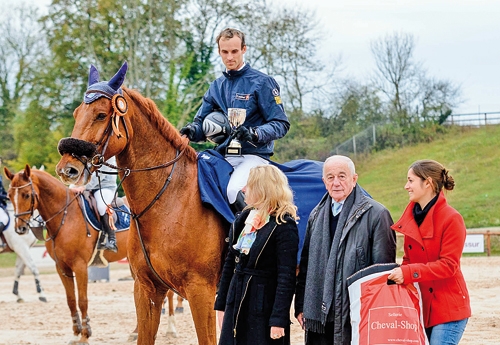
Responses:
[122,218]
[213,176]
[304,177]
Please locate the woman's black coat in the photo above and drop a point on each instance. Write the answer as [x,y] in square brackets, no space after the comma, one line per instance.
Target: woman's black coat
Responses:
[256,290]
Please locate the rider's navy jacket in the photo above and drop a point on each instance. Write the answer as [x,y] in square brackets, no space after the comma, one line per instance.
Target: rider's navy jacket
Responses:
[3,195]
[254,91]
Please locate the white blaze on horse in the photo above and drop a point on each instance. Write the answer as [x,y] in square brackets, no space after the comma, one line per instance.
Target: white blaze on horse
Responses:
[21,245]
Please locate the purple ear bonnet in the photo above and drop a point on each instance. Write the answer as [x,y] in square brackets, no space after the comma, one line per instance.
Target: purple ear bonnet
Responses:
[108,89]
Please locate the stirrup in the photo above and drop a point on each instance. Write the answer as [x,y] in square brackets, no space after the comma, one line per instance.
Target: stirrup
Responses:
[111,247]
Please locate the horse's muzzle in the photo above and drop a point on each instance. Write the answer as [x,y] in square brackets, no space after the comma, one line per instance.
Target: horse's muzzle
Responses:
[77,147]
[22,229]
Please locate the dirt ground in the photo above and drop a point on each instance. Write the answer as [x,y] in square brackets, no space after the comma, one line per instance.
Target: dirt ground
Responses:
[111,309]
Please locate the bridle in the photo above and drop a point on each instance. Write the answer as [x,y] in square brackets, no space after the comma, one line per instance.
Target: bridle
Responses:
[32,200]
[35,198]
[97,160]
[120,108]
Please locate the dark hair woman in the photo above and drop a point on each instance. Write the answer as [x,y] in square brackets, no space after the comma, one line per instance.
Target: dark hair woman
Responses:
[434,237]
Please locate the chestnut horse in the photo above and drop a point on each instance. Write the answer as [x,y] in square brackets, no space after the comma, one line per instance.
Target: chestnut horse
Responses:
[177,242]
[70,239]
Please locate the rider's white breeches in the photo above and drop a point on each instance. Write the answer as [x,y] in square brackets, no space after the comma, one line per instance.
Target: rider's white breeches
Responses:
[103,198]
[239,177]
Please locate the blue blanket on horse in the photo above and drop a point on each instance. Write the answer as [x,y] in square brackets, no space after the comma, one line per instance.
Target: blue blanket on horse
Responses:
[122,221]
[304,177]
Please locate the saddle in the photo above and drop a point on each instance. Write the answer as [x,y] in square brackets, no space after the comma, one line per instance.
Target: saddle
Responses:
[89,197]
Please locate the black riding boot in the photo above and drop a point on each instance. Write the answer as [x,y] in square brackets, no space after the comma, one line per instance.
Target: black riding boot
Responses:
[239,204]
[111,243]
[2,244]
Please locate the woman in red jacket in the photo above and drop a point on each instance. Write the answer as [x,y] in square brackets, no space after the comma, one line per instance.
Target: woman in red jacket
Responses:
[433,243]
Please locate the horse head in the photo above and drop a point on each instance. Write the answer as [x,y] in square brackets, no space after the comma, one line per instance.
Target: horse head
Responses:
[100,129]
[24,197]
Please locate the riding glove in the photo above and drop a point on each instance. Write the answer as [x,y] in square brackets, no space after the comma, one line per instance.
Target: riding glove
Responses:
[246,134]
[188,131]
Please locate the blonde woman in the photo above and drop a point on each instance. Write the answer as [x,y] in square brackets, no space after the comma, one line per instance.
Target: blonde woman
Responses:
[258,278]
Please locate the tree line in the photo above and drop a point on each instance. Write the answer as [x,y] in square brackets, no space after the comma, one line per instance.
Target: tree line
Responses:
[45,56]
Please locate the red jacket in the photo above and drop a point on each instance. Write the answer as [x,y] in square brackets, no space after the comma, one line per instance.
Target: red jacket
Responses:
[432,259]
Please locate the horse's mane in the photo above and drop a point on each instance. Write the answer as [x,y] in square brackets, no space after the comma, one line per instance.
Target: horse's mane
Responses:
[149,108]
[43,174]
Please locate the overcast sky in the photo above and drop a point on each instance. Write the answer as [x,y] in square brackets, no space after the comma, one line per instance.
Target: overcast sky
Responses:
[455,40]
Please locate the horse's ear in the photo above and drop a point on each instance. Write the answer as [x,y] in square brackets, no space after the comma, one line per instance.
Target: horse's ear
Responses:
[93,75]
[117,80]
[27,171]
[7,172]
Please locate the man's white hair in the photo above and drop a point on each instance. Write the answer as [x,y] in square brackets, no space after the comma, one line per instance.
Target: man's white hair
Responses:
[350,163]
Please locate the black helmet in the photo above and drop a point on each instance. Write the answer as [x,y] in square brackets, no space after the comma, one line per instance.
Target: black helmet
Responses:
[216,127]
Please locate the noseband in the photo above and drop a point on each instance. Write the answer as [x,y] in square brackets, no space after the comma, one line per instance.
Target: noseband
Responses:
[32,206]
[31,211]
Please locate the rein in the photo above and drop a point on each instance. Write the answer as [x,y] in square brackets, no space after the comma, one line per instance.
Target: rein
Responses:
[34,196]
[44,222]
[98,160]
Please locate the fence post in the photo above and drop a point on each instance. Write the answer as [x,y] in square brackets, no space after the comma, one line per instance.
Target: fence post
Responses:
[354,145]
[488,243]
[374,135]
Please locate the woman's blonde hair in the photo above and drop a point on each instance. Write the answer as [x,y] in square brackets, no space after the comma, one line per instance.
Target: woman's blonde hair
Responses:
[270,193]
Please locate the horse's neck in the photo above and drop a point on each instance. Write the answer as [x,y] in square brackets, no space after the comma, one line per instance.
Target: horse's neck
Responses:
[150,147]
[53,196]
[153,143]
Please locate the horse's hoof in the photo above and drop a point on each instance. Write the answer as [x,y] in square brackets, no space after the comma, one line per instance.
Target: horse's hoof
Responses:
[78,341]
[132,337]
[42,299]
[20,300]
[179,310]
[171,334]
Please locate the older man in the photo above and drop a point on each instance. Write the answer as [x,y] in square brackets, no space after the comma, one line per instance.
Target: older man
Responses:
[346,231]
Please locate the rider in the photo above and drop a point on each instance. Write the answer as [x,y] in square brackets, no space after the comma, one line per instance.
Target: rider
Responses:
[242,87]
[4,216]
[104,189]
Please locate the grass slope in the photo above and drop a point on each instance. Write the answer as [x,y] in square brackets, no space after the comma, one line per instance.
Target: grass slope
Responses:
[471,154]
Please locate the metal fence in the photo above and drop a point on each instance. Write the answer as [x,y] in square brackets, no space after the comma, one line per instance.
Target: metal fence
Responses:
[364,140]
[360,143]
[474,119]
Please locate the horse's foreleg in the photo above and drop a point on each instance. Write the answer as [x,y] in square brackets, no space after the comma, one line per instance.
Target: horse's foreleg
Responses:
[69,288]
[81,273]
[19,272]
[201,298]
[171,330]
[30,263]
[170,299]
[148,304]
[179,309]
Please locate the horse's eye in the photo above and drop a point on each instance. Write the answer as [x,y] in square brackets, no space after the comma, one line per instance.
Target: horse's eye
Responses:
[26,196]
[101,116]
